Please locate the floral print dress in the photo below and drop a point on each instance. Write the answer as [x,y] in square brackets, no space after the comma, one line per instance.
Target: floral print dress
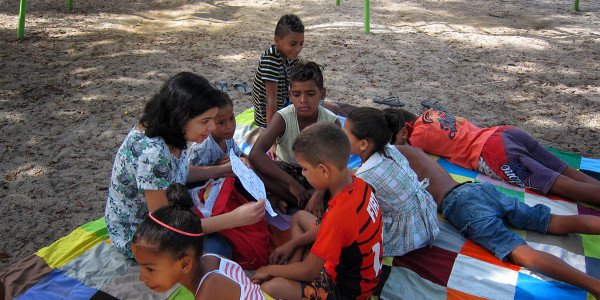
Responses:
[142,163]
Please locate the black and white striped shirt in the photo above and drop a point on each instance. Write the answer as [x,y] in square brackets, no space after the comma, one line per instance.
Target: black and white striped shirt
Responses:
[272,66]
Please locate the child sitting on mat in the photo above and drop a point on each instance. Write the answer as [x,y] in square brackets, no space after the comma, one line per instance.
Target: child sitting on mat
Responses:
[168,246]
[481,213]
[409,211]
[214,151]
[283,178]
[345,259]
[501,152]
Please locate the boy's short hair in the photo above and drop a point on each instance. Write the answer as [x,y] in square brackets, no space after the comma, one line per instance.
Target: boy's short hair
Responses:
[323,143]
[225,99]
[305,71]
[403,114]
[288,24]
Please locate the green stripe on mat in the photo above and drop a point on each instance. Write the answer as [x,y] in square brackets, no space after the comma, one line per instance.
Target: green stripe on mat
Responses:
[97,227]
[246,117]
[591,245]
[571,158]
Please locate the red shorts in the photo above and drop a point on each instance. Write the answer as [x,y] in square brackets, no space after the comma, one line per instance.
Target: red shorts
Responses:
[519,159]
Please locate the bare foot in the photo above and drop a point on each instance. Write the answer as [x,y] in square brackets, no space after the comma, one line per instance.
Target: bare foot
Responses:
[279,204]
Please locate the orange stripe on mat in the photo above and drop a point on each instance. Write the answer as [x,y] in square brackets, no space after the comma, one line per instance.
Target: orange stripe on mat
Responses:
[473,250]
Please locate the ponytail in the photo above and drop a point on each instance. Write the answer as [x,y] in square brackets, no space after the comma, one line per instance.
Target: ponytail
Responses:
[174,228]
[372,124]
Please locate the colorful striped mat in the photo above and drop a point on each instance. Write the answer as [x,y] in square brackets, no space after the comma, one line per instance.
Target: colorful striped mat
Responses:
[83,265]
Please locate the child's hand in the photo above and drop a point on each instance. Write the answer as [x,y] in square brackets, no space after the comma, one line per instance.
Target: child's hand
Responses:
[222,160]
[261,275]
[315,204]
[249,213]
[300,193]
[227,170]
[281,254]
[272,152]
[246,162]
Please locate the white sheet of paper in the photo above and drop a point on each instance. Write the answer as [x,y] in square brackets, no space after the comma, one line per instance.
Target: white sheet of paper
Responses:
[250,181]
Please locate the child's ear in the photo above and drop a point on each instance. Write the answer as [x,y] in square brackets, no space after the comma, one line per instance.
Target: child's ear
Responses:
[364,145]
[323,93]
[324,170]
[404,132]
[277,40]
[186,264]
[402,135]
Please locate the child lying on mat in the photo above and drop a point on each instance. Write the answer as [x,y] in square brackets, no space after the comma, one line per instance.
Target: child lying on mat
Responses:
[345,259]
[283,178]
[168,246]
[480,212]
[501,152]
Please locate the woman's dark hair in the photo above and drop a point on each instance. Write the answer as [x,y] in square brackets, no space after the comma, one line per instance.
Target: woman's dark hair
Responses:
[176,214]
[183,97]
[372,124]
[305,71]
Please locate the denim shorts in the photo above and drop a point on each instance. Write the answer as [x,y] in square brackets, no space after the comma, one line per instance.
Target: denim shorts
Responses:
[482,214]
[217,244]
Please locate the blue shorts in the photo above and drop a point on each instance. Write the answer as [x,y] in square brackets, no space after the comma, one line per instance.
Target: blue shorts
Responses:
[217,244]
[481,213]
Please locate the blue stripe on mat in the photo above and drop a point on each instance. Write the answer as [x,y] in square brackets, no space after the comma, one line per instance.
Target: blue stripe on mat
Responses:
[57,285]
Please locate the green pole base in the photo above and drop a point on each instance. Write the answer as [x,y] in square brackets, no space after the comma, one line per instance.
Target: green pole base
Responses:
[22,13]
[367,16]
[576,5]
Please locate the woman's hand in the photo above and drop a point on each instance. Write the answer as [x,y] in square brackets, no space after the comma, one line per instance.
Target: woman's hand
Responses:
[281,254]
[261,275]
[249,213]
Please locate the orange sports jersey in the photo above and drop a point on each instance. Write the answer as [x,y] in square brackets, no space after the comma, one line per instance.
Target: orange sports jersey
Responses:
[440,133]
[349,239]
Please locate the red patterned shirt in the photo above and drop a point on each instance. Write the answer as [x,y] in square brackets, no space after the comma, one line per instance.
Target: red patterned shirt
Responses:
[350,241]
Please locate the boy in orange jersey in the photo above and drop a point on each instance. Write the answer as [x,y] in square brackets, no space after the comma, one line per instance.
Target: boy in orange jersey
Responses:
[345,259]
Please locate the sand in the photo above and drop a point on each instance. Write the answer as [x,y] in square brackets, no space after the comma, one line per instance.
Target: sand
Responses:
[73,88]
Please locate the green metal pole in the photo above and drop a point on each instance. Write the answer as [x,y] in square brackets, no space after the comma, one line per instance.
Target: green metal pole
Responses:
[22,12]
[576,5]
[367,15]
[70,5]
[337,2]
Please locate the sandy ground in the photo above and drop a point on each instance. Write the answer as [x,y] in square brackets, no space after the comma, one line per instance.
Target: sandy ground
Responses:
[72,89]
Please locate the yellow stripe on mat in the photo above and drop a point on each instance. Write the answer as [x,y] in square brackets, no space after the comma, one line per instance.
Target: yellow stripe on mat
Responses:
[69,247]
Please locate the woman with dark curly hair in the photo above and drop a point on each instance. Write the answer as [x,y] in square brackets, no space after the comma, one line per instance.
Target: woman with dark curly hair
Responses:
[153,156]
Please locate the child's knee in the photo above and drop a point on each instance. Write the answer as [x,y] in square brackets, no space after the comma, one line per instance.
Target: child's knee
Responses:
[303,219]
[272,286]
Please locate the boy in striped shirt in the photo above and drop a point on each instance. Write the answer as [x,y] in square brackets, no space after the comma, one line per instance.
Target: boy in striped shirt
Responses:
[271,83]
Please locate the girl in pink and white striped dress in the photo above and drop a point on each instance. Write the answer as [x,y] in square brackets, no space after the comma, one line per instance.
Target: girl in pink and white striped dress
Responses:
[168,246]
